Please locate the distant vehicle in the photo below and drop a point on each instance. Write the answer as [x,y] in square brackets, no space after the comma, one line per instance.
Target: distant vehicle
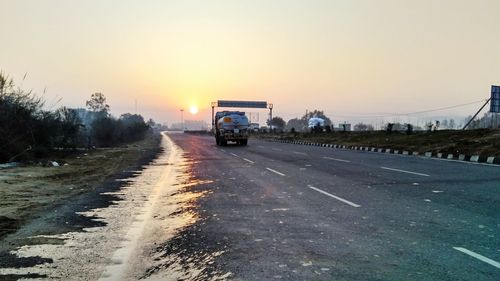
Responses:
[316,122]
[231,126]
[263,129]
[254,127]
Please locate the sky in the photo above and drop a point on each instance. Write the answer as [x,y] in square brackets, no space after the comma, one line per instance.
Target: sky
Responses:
[358,60]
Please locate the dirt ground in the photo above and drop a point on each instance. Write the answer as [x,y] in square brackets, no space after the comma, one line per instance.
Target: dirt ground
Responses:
[483,142]
[30,190]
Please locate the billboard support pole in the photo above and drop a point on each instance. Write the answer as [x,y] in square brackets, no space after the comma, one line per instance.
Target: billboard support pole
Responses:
[270,116]
[213,120]
[487,101]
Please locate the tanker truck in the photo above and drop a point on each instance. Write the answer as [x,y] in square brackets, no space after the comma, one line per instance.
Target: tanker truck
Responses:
[231,126]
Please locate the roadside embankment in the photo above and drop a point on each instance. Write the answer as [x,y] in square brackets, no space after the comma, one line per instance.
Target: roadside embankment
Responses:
[26,192]
[483,142]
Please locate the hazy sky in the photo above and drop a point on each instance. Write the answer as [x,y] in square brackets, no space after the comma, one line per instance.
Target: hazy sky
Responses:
[349,58]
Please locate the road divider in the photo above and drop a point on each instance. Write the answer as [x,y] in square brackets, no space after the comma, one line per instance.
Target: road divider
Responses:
[276,172]
[404,171]
[336,159]
[475,159]
[334,196]
[478,256]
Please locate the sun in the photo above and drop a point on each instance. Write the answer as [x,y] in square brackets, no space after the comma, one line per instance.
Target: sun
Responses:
[193,109]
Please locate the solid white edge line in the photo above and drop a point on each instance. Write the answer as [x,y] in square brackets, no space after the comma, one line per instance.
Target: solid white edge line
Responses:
[249,161]
[478,256]
[276,172]
[335,197]
[403,171]
[234,155]
[336,159]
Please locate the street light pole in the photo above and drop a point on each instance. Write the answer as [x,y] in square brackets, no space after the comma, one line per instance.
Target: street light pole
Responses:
[182,120]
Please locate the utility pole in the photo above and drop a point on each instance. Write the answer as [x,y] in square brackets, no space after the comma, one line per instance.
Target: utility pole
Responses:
[182,120]
[487,101]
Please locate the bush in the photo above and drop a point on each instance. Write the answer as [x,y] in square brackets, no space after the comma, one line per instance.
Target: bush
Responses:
[107,131]
[26,130]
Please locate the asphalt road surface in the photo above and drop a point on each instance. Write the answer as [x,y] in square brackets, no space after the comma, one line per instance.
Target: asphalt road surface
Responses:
[272,211]
[293,212]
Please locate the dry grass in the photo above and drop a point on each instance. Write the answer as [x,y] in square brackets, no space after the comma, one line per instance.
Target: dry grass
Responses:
[26,191]
[472,142]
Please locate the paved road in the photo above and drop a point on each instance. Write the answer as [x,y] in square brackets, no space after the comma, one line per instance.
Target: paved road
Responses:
[292,212]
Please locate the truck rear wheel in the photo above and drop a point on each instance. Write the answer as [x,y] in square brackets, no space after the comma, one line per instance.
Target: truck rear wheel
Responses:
[244,142]
[223,142]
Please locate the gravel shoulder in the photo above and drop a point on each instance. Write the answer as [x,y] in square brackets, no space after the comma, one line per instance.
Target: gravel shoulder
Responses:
[32,191]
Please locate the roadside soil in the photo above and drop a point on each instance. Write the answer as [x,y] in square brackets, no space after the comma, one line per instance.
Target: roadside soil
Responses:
[29,191]
[483,142]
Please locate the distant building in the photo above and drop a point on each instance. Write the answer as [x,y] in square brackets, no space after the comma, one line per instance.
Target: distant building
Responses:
[191,125]
[343,128]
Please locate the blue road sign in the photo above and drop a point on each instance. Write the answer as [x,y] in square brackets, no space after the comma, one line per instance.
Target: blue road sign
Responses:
[495,99]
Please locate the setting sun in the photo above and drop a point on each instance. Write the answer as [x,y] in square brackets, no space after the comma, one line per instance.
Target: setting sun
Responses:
[193,109]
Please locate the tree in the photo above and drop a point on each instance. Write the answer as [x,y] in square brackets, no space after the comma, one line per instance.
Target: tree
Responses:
[97,103]
[69,128]
[20,115]
[298,125]
[451,124]
[363,127]
[151,123]
[317,113]
[277,122]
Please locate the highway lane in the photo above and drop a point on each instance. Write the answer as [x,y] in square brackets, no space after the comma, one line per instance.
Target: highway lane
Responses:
[296,212]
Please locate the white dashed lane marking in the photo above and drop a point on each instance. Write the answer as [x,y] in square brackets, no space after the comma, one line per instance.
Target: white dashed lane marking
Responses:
[249,161]
[276,172]
[337,159]
[404,171]
[334,196]
[478,256]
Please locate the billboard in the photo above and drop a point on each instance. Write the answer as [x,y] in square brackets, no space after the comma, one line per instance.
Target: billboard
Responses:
[495,99]
[242,104]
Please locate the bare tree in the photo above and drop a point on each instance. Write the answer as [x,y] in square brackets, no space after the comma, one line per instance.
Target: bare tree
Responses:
[97,103]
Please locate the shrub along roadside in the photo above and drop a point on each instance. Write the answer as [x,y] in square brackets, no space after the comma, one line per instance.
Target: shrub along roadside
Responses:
[29,131]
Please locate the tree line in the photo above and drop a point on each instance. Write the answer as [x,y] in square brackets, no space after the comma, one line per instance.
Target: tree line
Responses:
[28,130]
[489,121]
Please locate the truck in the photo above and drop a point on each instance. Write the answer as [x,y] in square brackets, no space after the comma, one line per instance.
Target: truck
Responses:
[231,126]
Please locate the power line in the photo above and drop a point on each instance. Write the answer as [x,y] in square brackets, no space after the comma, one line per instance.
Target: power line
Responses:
[412,113]
[443,108]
